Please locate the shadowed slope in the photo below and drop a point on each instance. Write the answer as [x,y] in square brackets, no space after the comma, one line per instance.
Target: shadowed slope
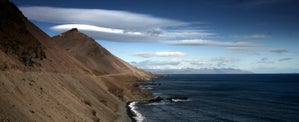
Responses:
[25,47]
[16,40]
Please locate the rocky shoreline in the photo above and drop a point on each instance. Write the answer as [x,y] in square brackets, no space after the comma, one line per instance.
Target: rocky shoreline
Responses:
[133,114]
[130,113]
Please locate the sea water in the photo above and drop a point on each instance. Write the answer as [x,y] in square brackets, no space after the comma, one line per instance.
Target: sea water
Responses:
[242,97]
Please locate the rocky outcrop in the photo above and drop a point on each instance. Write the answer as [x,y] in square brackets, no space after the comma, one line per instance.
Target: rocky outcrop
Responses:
[171,99]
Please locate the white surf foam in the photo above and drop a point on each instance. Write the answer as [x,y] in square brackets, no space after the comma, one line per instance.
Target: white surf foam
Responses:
[158,103]
[179,100]
[138,117]
[146,87]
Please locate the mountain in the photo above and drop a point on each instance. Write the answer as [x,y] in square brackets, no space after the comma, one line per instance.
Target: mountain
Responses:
[48,79]
[93,55]
[199,71]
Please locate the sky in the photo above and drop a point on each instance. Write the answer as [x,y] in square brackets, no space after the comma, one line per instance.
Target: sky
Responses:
[260,36]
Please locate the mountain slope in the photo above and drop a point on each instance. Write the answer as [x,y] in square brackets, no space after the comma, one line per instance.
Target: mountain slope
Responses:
[40,81]
[93,55]
[23,44]
[16,40]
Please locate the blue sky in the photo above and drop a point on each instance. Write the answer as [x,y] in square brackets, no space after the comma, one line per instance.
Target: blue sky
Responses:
[260,36]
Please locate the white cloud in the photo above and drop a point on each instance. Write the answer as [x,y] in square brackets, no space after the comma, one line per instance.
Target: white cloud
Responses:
[179,66]
[285,59]
[186,33]
[220,62]
[183,70]
[158,64]
[265,60]
[196,62]
[279,51]
[254,50]
[88,28]
[210,43]
[114,25]
[252,37]
[110,34]
[159,54]
[225,60]
[166,67]
[257,36]
[98,17]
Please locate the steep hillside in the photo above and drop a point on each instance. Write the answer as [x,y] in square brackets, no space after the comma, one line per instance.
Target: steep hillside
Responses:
[40,81]
[16,41]
[93,55]
[25,47]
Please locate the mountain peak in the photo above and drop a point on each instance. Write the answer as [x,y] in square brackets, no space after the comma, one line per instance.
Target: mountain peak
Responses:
[74,33]
[74,29]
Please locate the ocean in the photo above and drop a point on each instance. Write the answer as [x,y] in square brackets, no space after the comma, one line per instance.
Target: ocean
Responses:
[227,98]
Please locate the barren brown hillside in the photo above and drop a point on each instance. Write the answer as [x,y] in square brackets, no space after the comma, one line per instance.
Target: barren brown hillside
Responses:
[41,81]
[93,55]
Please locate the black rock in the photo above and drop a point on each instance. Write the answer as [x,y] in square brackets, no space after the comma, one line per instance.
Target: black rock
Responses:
[156,99]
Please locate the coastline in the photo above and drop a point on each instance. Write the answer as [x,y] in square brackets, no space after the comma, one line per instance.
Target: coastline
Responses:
[130,113]
[134,114]
[123,112]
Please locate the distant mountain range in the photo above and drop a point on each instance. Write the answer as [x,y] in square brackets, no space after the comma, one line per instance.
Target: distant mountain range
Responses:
[199,71]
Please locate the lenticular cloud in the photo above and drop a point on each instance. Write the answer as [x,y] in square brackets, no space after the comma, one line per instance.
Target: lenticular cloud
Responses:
[159,54]
[114,25]
[85,27]
[98,17]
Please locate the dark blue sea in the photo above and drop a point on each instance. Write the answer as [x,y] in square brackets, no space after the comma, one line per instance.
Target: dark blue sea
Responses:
[216,98]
